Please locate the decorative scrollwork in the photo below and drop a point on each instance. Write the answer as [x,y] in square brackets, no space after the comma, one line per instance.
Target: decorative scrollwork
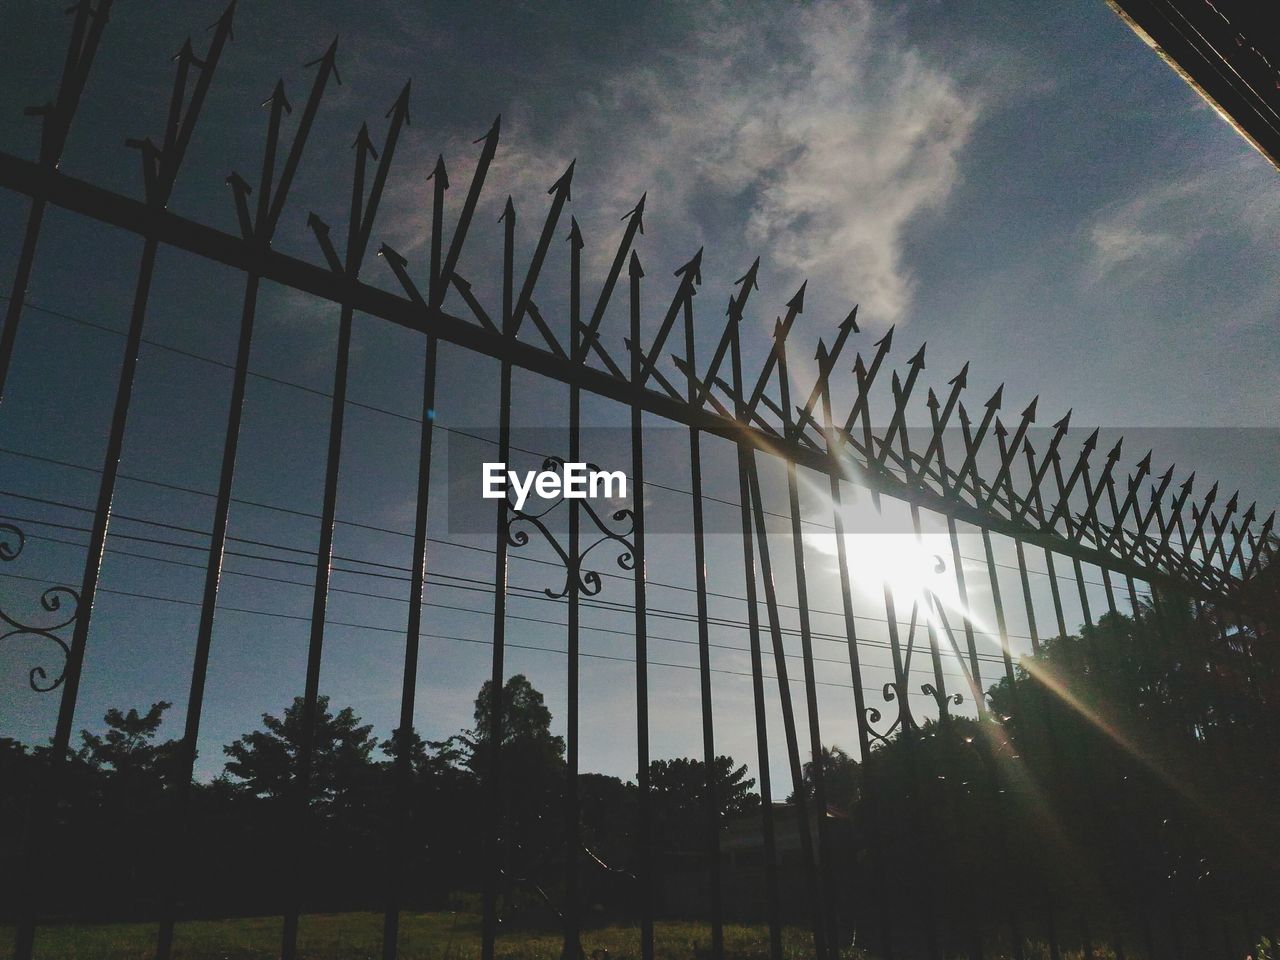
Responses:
[873,715]
[519,523]
[59,600]
[942,699]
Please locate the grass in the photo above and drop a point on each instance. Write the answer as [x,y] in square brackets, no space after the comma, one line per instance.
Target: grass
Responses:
[423,936]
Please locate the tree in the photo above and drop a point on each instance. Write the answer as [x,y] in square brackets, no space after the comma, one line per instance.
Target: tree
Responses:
[128,750]
[266,761]
[841,779]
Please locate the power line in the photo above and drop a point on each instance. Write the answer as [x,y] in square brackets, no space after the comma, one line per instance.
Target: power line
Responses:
[390,413]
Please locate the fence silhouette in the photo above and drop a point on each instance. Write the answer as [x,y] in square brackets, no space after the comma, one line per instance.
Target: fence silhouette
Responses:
[897,883]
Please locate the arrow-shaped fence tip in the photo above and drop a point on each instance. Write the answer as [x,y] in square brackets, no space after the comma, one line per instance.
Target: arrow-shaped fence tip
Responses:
[918,359]
[964,414]
[575,233]
[1092,440]
[1115,451]
[796,303]
[693,269]
[1029,414]
[1186,484]
[225,21]
[330,58]
[364,141]
[492,133]
[637,211]
[315,223]
[851,321]
[633,267]
[1064,424]
[821,354]
[1233,502]
[184,52]
[278,96]
[440,174]
[997,398]
[1212,494]
[1000,430]
[508,210]
[237,182]
[748,280]
[564,183]
[961,379]
[1145,463]
[886,341]
[401,105]
[932,401]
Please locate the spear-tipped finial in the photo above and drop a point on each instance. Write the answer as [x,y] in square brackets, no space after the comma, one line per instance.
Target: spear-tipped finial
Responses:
[227,20]
[278,96]
[796,303]
[918,359]
[963,413]
[364,142]
[329,58]
[748,280]
[508,211]
[821,353]
[439,174]
[1232,503]
[1212,494]
[575,234]
[1145,463]
[401,105]
[932,400]
[637,212]
[492,134]
[692,270]
[1186,484]
[1063,425]
[633,266]
[565,182]
[1114,455]
[1001,432]
[1029,414]
[184,52]
[850,323]
[961,379]
[1092,440]
[886,341]
[997,398]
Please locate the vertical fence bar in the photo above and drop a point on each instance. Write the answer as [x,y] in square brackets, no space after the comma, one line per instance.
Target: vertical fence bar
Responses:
[494,792]
[56,117]
[160,176]
[825,852]
[572,822]
[836,455]
[772,890]
[813,890]
[644,833]
[711,798]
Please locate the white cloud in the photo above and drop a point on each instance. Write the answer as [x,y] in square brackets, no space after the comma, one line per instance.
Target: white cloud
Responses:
[1163,223]
[825,132]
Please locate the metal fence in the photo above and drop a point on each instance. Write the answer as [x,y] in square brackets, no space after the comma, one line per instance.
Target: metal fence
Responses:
[1154,544]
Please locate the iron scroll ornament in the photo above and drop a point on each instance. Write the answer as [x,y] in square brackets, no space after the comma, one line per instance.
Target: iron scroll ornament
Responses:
[588,581]
[59,600]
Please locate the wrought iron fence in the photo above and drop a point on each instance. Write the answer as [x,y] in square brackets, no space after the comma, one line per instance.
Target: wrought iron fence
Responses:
[898,882]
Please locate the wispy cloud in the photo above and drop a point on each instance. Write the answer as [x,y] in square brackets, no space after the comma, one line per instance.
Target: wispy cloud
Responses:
[820,138]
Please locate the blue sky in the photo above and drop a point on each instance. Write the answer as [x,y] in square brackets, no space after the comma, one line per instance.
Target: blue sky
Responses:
[1023,185]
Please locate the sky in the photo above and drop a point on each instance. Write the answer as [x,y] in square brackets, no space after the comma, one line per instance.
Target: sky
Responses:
[1023,185]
